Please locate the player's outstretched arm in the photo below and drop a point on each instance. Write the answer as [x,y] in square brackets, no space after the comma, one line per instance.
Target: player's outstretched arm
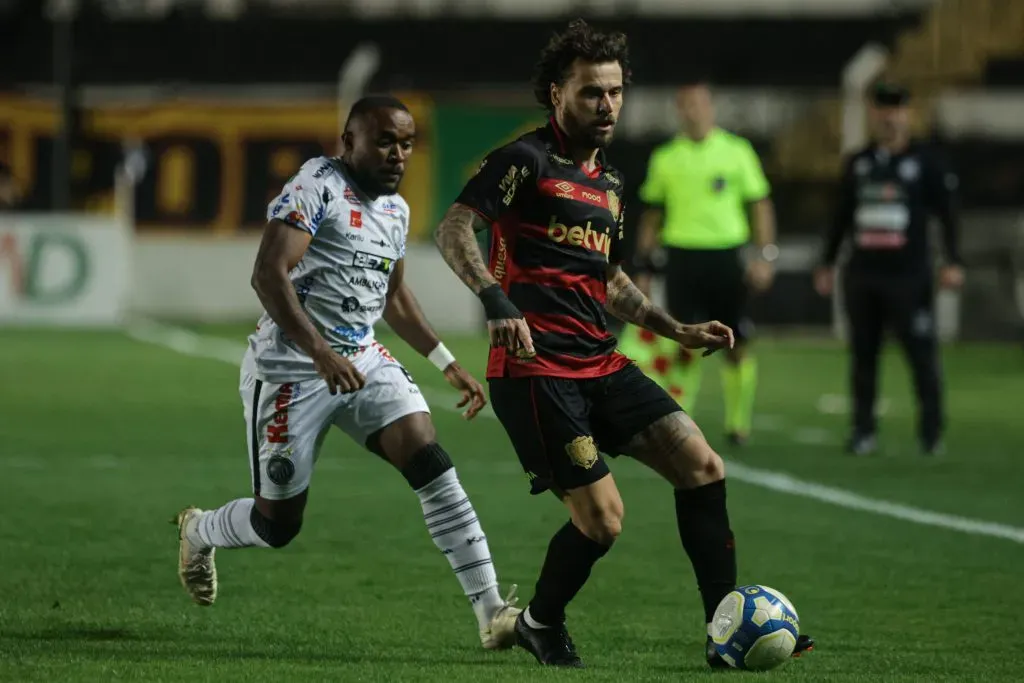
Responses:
[404,315]
[627,303]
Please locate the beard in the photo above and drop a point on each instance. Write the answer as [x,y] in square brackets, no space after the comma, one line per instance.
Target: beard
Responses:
[585,134]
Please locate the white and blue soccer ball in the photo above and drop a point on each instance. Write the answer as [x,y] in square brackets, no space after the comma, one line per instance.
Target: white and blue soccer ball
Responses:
[755,628]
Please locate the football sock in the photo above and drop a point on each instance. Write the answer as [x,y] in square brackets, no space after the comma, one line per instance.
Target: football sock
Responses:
[453,525]
[739,384]
[229,526]
[571,556]
[704,530]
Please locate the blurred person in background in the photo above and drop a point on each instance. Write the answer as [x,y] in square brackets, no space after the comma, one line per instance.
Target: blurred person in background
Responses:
[889,191]
[10,194]
[705,196]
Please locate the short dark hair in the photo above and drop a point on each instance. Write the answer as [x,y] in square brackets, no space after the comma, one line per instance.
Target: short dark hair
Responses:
[578,41]
[371,103]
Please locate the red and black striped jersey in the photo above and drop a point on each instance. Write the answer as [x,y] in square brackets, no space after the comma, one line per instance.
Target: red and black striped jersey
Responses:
[555,230]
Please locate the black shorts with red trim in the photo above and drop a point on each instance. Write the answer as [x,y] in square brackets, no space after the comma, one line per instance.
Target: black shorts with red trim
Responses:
[560,426]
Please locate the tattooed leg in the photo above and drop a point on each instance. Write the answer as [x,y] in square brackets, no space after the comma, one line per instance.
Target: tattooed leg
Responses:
[675,448]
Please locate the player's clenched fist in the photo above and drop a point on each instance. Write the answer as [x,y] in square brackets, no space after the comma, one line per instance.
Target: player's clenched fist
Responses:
[338,372]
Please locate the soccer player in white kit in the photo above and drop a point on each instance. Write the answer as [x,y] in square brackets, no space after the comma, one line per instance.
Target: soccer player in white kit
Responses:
[330,266]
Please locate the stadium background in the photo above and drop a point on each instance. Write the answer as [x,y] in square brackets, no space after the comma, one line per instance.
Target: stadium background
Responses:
[145,138]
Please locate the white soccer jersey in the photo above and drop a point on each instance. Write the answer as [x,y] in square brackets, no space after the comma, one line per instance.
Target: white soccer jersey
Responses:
[342,280]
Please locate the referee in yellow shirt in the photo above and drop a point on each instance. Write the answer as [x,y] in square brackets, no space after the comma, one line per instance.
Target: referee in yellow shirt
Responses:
[705,193]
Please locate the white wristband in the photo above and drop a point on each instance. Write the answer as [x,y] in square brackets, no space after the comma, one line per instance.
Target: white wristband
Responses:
[441,357]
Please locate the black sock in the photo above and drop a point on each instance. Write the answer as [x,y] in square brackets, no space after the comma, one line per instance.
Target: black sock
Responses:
[571,555]
[708,540]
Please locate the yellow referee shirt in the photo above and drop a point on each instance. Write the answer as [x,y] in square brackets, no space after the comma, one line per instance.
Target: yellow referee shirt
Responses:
[704,188]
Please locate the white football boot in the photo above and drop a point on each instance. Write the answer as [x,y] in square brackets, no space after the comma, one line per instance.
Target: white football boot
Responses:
[500,633]
[196,568]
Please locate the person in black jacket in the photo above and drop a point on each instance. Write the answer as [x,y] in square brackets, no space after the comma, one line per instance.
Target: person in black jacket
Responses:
[889,192]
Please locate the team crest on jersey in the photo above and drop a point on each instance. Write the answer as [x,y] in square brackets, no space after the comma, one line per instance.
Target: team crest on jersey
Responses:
[582,451]
[614,205]
[350,196]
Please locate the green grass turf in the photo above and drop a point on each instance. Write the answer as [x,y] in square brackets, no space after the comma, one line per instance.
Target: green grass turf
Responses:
[104,438]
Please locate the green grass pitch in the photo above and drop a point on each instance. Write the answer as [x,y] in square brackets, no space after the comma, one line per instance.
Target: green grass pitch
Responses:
[103,438]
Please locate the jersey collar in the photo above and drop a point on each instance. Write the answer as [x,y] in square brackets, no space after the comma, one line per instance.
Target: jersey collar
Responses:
[561,139]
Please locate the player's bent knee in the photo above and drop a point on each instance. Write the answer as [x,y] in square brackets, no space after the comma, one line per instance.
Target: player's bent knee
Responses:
[274,532]
[598,512]
[426,465]
[705,466]
[603,526]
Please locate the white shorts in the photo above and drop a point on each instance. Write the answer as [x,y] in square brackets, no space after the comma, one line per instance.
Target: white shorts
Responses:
[286,423]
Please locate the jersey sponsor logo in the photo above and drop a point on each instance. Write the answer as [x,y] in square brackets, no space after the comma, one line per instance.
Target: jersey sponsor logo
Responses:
[390,208]
[352,335]
[582,451]
[355,219]
[501,260]
[367,283]
[379,243]
[279,207]
[563,189]
[277,428]
[350,304]
[510,183]
[560,159]
[364,259]
[324,171]
[579,236]
[318,216]
[354,237]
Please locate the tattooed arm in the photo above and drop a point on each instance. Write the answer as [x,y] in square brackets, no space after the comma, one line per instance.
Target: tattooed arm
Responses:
[456,238]
[627,303]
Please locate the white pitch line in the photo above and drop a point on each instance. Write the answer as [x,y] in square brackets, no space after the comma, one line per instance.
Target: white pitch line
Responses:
[192,344]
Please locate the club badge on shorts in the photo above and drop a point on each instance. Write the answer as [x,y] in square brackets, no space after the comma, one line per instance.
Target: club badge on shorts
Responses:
[280,469]
[582,451]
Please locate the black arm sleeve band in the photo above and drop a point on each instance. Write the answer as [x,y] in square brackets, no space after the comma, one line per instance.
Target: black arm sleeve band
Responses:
[497,305]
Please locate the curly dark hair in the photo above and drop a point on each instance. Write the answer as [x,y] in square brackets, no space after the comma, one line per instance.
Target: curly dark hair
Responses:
[580,41]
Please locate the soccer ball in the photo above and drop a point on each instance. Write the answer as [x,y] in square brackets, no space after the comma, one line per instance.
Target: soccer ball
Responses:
[755,628]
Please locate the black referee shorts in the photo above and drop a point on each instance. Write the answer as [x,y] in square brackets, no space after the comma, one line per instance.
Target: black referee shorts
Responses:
[708,284]
[559,427]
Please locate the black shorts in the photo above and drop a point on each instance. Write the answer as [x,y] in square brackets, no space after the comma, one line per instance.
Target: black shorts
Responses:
[708,284]
[559,427]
